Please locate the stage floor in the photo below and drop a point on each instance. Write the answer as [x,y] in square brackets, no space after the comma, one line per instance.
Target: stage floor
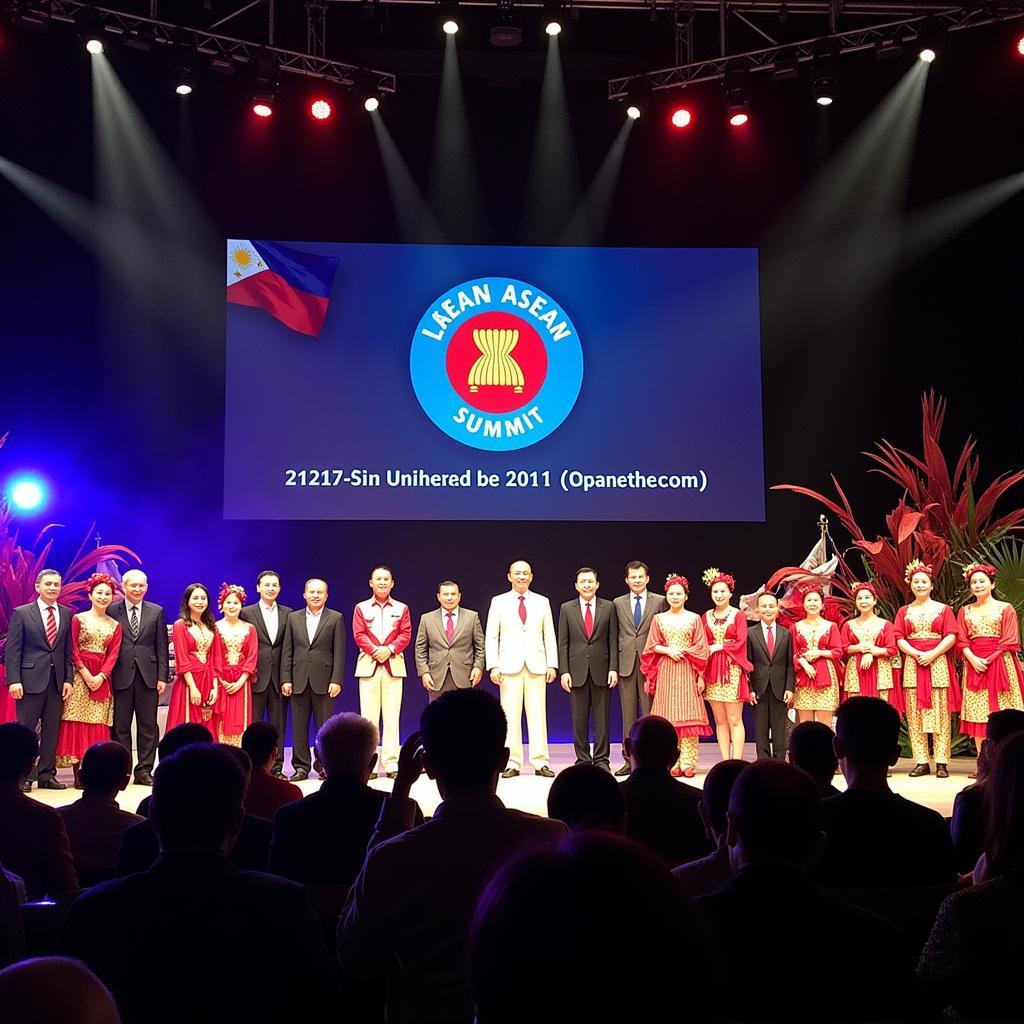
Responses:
[529,793]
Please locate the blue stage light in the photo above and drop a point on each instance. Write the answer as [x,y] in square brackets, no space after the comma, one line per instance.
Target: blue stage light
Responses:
[28,494]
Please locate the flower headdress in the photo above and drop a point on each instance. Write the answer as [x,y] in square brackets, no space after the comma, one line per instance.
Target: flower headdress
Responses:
[712,576]
[918,566]
[988,570]
[810,587]
[674,578]
[97,579]
[227,589]
[856,588]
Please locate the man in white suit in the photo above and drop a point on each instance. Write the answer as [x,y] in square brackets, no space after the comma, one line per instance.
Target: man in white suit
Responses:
[522,658]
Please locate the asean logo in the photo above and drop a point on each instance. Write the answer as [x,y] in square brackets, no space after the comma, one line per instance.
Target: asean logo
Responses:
[496,364]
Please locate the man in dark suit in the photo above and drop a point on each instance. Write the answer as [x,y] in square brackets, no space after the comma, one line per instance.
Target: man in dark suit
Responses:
[140,672]
[635,611]
[449,645]
[588,663]
[271,622]
[39,670]
[770,651]
[312,668]
[196,901]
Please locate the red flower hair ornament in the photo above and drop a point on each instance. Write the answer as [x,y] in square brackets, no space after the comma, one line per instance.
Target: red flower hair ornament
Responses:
[675,578]
[227,589]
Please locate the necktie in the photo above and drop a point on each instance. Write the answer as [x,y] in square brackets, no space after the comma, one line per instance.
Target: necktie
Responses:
[51,626]
[638,612]
[449,628]
[522,609]
[771,640]
[588,621]
[133,621]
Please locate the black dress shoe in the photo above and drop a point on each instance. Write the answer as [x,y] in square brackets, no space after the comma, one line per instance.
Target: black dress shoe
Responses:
[300,776]
[26,787]
[50,784]
[941,771]
[510,773]
[391,775]
[544,772]
[624,771]
[921,769]
[145,779]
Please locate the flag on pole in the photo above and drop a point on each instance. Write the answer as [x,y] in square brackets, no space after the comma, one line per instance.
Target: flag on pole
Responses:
[291,285]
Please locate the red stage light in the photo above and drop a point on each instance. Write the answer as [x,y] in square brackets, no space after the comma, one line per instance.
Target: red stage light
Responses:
[739,119]
[261,109]
[1020,46]
[681,117]
[320,109]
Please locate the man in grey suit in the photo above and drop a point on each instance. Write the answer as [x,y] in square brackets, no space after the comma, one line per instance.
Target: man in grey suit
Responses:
[312,668]
[271,622]
[635,610]
[140,672]
[588,663]
[39,670]
[449,645]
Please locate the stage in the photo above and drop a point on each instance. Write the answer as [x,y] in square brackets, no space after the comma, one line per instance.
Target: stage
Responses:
[530,793]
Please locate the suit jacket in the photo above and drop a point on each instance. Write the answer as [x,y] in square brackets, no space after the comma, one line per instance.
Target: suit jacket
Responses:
[196,901]
[776,671]
[582,656]
[438,657]
[34,844]
[633,639]
[397,635]
[95,826]
[318,664]
[271,648]
[663,815]
[511,645]
[147,652]
[28,657]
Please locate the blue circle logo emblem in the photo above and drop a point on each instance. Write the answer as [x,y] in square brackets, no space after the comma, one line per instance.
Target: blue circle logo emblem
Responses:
[496,363]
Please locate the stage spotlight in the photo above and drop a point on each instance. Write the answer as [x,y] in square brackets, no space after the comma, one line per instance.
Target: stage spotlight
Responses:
[929,42]
[824,82]
[263,105]
[450,26]
[320,109]
[27,494]
[737,98]
[265,75]
[681,117]
[1020,46]
[450,13]
[184,79]
[633,112]
[90,29]
[370,104]
[553,17]
[638,97]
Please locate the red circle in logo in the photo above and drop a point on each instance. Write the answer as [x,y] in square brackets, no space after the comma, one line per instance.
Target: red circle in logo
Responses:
[496,362]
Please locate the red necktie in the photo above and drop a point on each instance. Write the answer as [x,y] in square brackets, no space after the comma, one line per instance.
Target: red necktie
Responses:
[449,629]
[588,621]
[51,626]
[522,609]
[771,640]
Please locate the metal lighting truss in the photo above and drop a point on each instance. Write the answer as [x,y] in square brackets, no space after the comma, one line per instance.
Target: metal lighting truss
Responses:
[887,22]
[226,50]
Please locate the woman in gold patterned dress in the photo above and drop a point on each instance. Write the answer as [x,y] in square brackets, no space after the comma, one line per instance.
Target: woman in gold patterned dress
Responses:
[234,662]
[817,651]
[725,678]
[869,644]
[675,655]
[988,638]
[925,633]
[88,711]
[194,695]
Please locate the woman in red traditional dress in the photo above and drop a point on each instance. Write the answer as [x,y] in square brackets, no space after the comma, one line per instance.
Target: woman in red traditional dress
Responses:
[194,695]
[988,638]
[817,650]
[234,661]
[725,678]
[89,709]
[869,645]
[926,633]
[675,655]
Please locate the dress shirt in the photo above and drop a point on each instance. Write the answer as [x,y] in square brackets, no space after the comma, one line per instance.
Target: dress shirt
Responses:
[632,603]
[128,606]
[455,618]
[765,627]
[312,621]
[593,608]
[270,619]
[42,611]
[376,622]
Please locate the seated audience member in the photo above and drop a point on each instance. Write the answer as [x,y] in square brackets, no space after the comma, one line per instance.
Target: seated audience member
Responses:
[774,834]
[408,914]
[266,793]
[587,799]
[55,990]
[662,974]
[970,966]
[207,913]
[12,933]
[33,840]
[323,840]
[661,813]
[875,837]
[174,739]
[94,822]
[968,825]
[811,749]
[699,877]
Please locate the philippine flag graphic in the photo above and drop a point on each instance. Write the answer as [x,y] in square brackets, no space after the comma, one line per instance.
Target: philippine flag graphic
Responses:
[293,286]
